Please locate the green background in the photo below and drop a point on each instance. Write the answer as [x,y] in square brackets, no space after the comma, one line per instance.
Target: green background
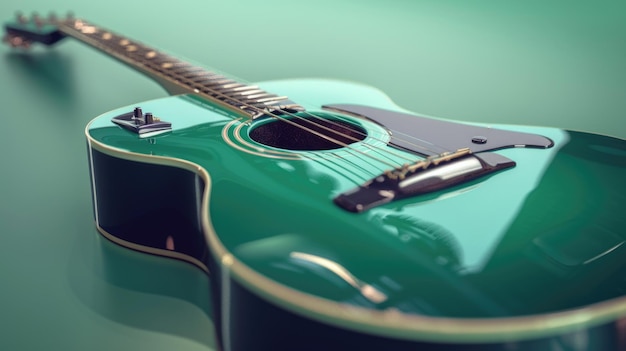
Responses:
[551,63]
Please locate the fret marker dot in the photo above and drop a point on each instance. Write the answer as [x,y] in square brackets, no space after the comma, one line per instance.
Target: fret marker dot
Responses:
[151,54]
[167,65]
[88,30]
[124,42]
[107,36]
[131,48]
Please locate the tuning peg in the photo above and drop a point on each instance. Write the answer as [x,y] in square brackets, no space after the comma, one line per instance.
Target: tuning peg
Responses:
[25,44]
[37,20]
[69,17]
[16,41]
[21,19]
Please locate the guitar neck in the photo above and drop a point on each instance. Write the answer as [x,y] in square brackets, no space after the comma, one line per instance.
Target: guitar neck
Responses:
[177,76]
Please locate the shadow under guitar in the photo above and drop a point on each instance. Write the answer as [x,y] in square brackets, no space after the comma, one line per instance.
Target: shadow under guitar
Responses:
[142,291]
[48,75]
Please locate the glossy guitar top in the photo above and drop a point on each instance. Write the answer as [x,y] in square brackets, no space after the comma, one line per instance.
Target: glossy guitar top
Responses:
[526,252]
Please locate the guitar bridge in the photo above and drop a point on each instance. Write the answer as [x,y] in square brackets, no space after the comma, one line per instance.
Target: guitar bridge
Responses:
[432,174]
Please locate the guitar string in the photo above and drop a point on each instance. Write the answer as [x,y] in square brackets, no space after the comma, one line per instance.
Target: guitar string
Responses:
[348,127]
[308,130]
[357,131]
[262,111]
[154,67]
[380,151]
[165,58]
[186,66]
[229,99]
[190,72]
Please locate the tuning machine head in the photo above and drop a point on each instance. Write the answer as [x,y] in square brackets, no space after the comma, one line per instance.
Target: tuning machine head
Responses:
[21,18]
[16,41]
[24,31]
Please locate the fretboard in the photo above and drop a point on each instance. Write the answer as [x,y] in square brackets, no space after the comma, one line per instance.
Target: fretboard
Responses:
[177,76]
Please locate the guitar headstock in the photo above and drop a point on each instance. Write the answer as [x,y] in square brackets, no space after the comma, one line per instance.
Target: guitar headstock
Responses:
[23,30]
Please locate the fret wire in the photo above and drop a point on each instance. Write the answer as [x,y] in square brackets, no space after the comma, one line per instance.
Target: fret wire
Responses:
[274,97]
[230,85]
[210,78]
[236,95]
[246,87]
[202,73]
[206,78]
[226,92]
[186,68]
[257,96]
[195,78]
[247,92]
[230,90]
[221,82]
[202,80]
[195,69]
[217,79]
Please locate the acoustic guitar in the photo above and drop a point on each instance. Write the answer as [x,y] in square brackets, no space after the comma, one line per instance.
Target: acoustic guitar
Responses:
[329,217]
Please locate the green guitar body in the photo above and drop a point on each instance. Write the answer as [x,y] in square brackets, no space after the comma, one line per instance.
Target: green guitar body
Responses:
[528,258]
[323,225]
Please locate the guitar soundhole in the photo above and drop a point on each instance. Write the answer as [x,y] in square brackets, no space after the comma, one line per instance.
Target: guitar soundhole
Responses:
[307,133]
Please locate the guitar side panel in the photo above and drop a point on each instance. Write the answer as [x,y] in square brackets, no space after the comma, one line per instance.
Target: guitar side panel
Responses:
[149,207]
